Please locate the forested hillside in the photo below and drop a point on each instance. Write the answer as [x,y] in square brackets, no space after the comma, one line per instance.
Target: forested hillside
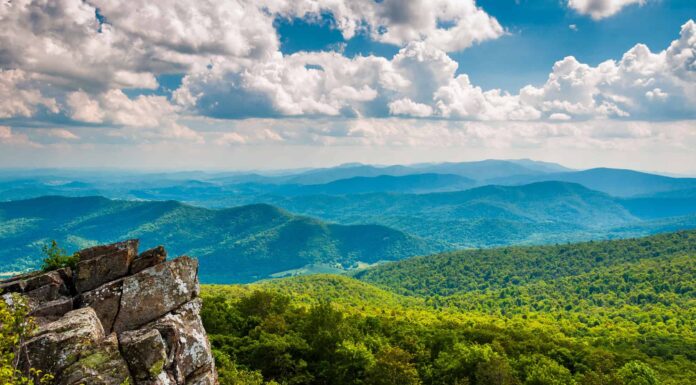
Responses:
[499,268]
[240,244]
[614,312]
[544,212]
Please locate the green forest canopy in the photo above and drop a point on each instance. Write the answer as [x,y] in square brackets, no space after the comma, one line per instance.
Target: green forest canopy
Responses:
[613,312]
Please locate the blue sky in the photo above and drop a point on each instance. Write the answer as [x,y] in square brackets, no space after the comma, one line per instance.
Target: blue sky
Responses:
[266,84]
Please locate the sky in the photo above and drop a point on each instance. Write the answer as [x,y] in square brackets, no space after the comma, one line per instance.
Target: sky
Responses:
[263,84]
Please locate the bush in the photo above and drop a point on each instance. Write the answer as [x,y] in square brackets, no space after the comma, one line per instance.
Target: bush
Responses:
[15,327]
[57,258]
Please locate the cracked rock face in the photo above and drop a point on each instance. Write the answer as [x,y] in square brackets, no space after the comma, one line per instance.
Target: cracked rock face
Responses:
[120,318]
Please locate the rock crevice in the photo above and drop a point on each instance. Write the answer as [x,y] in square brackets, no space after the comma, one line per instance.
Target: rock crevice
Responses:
[119,318]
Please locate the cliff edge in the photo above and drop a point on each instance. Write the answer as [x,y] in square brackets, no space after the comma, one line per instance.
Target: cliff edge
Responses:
[119,318]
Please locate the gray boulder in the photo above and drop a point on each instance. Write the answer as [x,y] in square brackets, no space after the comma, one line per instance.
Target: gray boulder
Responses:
[101,264]
[155,291]
[106,302]
[59,344]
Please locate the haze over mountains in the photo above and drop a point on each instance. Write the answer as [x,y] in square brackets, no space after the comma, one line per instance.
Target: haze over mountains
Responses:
[246,227]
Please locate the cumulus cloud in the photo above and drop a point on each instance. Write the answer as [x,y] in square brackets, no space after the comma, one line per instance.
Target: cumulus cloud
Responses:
[421,80]
[305,83]
[407,106]
[450,25]
[83,54]
[77,58]
[599,9]
[65,44]
[20,95]
[643,84]
[5,133]
[154,113]
[104,44]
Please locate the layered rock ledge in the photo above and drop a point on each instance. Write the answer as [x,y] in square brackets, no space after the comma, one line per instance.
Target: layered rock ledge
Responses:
[119,318]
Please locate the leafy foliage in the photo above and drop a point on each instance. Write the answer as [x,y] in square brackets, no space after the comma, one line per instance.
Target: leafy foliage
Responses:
[616,312]
[57,258]
[15,327]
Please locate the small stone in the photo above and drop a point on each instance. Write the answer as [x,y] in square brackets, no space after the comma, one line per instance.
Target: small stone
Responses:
[101,264]
[55,308]
[98,251]
[44,286]
[149,258]
[12,285]
[145,353]
[105,300]
[205,376]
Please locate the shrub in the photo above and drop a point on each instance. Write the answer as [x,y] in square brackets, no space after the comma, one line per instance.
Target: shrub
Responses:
[15,327]
[57,258]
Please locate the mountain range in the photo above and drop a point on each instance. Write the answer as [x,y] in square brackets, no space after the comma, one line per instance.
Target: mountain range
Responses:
[485,216]
[234,245]
[246,227]
[226,189]
[258,241]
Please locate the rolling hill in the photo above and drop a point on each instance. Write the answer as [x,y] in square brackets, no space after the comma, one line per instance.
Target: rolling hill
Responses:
[483,216]
[234,245]
[484,270]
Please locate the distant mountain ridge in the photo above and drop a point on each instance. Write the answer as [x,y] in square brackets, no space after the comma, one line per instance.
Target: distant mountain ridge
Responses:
[412,183]
[617,182]
[227,189]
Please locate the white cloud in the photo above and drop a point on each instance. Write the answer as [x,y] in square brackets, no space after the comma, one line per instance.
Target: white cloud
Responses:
[317,83]
[421,80]
[58,56]
[63,43]
[450,25]
[643,84]
[407,106]
[5,132]
[83,108]
[20,95]
[154,115]
[559,116]
[599,9]
[460,99]
[656,94]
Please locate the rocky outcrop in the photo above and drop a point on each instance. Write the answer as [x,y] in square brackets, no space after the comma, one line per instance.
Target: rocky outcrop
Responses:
[119,318]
